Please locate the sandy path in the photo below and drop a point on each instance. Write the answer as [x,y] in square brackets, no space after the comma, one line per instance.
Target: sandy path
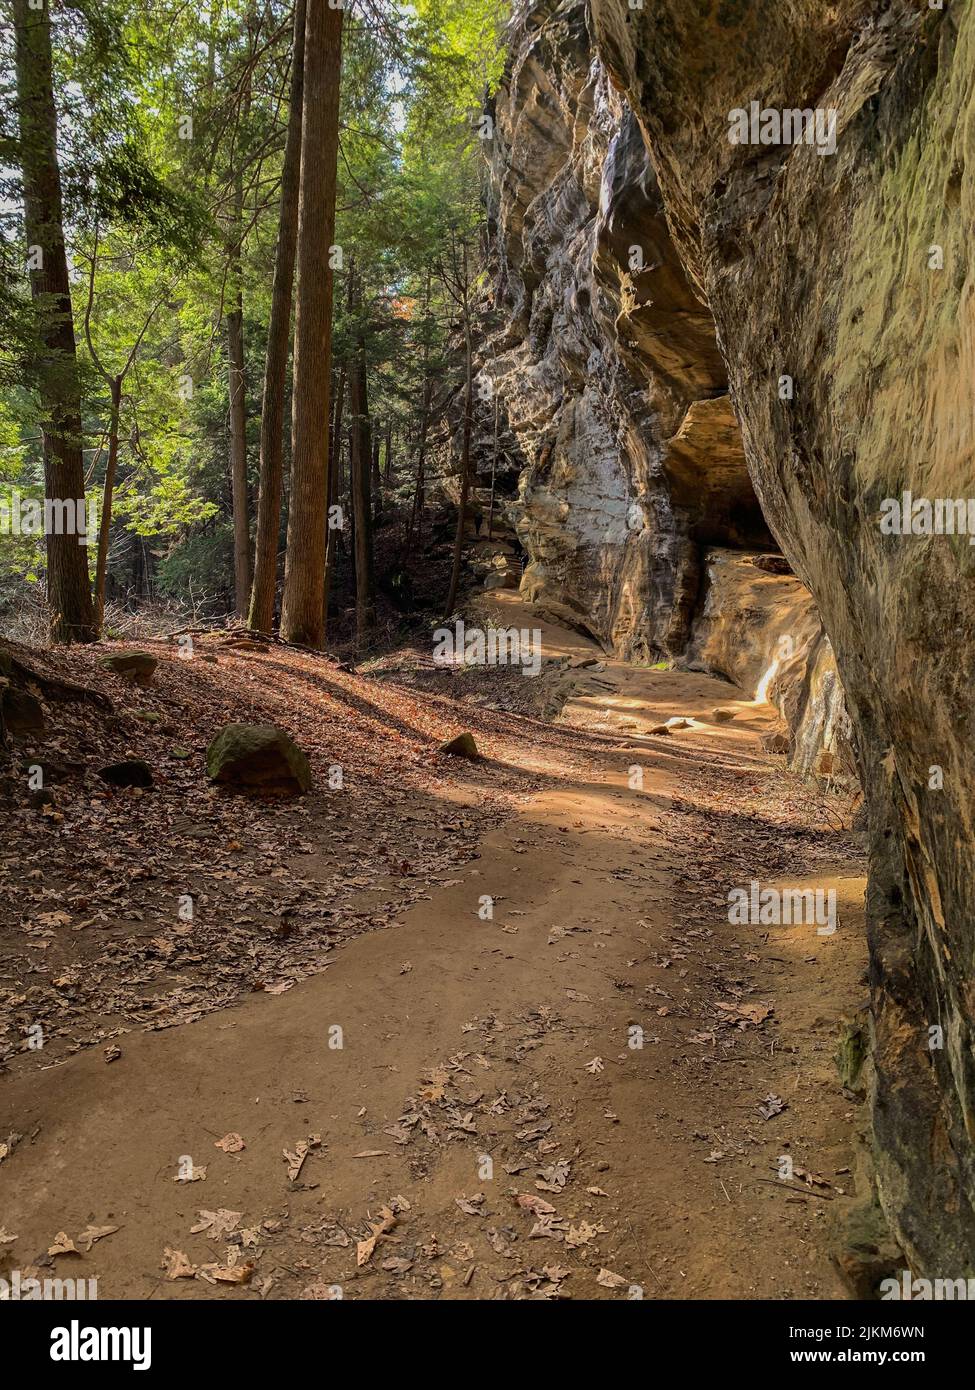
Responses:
[503,1038]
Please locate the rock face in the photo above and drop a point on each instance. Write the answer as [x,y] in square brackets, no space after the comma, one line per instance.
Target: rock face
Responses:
[760,628]
[613,387]
[258,757]
[851,274]
[607,368]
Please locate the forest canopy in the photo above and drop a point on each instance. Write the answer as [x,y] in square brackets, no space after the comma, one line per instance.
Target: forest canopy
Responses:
[165,173]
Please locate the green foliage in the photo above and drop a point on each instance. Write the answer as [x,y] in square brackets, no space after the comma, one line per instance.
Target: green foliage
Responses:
[171,132]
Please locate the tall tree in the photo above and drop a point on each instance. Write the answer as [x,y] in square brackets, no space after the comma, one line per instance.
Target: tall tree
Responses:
[261,615]
[55,367]
[237,388]
[236,377]
[302,617]
[457,279]
[362,471]
[115,381]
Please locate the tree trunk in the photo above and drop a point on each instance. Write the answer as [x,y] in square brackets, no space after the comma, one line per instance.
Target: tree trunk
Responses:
[238,433]
[261,615]
[494,467]
[55,367]
[388,460]
[105,524]
[377,482]
[334,486]
[416,513]
[365,601]
[304,577]
[465,457]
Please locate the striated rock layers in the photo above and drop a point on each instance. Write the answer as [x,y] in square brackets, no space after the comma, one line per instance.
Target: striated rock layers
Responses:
[615,406]
[609,375]
[851,273]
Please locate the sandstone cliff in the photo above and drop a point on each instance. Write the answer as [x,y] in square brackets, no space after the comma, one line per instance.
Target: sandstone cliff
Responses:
[846,277]
[852,274]
[615,396]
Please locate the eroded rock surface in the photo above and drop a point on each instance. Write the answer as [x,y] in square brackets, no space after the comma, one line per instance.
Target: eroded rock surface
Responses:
[609,374]
[825,268]
[760,628]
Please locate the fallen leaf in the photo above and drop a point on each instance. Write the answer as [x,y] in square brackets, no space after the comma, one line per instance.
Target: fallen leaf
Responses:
[226,1274]
[216,1223]
[176,1265]
[63,1245]
[230,1143]
[93,1233]
[364,1248]
[537,1205]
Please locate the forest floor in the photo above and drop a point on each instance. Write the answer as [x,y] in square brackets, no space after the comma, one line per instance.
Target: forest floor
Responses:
[374,1091]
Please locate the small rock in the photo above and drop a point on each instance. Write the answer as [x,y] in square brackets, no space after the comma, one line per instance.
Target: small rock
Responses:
[258,756]
[679,723]
[775,741]
[135,666]
[133,772]
[722,716]
[22,714]
[659,729]
[463,746]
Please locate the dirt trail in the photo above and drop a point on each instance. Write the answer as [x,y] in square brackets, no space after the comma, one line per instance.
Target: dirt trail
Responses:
[467,1038]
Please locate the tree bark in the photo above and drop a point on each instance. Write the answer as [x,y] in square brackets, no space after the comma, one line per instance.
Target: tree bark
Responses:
[105,523]
[261,614]
[388,460]
[494,467]
[55,367]
[334,481]
[238,429]
[365,601]
[465,458]
[304,580]
[377,482]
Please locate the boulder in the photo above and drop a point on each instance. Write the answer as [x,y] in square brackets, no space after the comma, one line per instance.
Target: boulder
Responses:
[463,746]
[134,666]
[258,756]
[132,772]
